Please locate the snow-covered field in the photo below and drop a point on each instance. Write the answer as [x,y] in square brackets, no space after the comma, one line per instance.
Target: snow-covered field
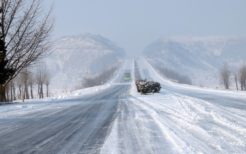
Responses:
[115,119]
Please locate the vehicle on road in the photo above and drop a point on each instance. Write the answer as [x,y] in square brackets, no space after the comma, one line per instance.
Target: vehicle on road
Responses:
[144,86]
[127,76]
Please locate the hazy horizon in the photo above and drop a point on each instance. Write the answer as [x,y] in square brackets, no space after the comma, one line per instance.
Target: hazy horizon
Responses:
[135,24]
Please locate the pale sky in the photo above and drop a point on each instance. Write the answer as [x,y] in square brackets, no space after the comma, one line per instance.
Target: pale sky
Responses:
[133,24]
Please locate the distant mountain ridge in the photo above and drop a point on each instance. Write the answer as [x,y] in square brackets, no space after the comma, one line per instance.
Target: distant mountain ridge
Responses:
[74,57]
[198,58]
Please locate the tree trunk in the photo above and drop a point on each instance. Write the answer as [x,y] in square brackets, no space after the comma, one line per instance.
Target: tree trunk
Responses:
[26,92]
[47,90]
[7,93]
[14,94]
[11,92]
[236,82]
[2,93]
[20,92]
[42,91]
[237,86]
[244,85]
[38,92]
[31,91]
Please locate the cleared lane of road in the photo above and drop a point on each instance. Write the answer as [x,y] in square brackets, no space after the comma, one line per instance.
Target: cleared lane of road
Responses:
[81,128]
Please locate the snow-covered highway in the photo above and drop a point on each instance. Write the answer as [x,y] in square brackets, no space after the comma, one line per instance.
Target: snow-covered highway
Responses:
[81,127]
[117,120]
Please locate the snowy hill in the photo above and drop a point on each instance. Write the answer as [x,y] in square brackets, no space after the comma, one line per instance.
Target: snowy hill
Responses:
[200,59]
[77,56]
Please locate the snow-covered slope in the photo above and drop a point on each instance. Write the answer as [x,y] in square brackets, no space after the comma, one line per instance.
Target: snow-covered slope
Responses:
[198,58]
[77,56]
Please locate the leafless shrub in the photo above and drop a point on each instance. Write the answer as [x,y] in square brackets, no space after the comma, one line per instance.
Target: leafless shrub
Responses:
[99,79]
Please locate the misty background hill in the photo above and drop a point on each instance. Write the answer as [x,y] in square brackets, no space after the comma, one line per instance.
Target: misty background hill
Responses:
[199,59]
[76,57]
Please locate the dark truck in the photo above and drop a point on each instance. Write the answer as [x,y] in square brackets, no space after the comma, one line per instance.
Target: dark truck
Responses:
[144,86]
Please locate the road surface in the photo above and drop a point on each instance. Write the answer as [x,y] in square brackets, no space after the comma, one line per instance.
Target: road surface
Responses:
[117,120]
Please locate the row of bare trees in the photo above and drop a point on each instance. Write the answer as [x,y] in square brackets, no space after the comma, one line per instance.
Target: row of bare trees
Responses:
[242,78]
[24,38]
[239,77]
[29,85]
[99,79]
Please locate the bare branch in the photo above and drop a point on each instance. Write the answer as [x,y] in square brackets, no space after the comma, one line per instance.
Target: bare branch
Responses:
[25,32]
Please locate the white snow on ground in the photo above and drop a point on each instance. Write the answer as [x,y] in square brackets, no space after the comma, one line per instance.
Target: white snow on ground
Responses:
[180,119]
[151,73]
[21,109]
[92,90]
[58,103]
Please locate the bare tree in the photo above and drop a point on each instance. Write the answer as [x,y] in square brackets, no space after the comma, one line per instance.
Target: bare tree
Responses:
[100,78]
[11,90]
[242,73]
[24,77]
[236,80]
[7,94]
[39,80]
[225,76]
[24,33]
[20,86]
[31,84]
[47,81]
[42,78]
